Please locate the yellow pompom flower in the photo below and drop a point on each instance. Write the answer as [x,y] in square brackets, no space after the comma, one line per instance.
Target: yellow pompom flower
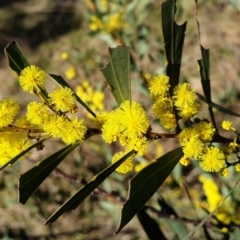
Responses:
[184,161]
[64,56]
[127,124]
[205,130]
[213,160]
[193,148]
[31,78]
[158,85]
[63,99]
[168,121]
[237,167]
[74,131]
[111,128]
[37,113]
[233,146]
[126,166]
[134,120]
[185,99]
[184,94]
[227,125]
[128,120]
[187,111]
[225,172]
[55,125]
[186,135]
[163,109]
[70,73]
[9,108]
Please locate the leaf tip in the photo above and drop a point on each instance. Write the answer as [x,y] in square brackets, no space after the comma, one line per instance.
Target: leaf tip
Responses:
[47,221]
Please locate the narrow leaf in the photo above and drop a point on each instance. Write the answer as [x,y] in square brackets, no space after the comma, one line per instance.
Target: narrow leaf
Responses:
[32,179]
[13,160]
[173,35]
[117,73]
[204,70]
[150,226]
[16,60]
[146,183]
[73,202]
[60,81]
[218,107]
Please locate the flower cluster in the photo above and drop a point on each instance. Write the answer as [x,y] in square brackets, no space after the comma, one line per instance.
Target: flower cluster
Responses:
[9,108]
[11,143]
[70,72]
[93,98]
[233,147]
[127,124]
[193,141]
[184,100]
[48,117]
[183,105]
[109,23]
[227,213]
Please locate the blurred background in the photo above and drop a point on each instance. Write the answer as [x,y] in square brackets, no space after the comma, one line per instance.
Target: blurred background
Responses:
[71,38]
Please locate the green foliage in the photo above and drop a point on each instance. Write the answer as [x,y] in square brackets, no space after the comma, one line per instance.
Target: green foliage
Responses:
[84,192]
[16,59]
[32,179]
[204,65]
[117,73]
[173,39]
[146,183]
[150,225]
